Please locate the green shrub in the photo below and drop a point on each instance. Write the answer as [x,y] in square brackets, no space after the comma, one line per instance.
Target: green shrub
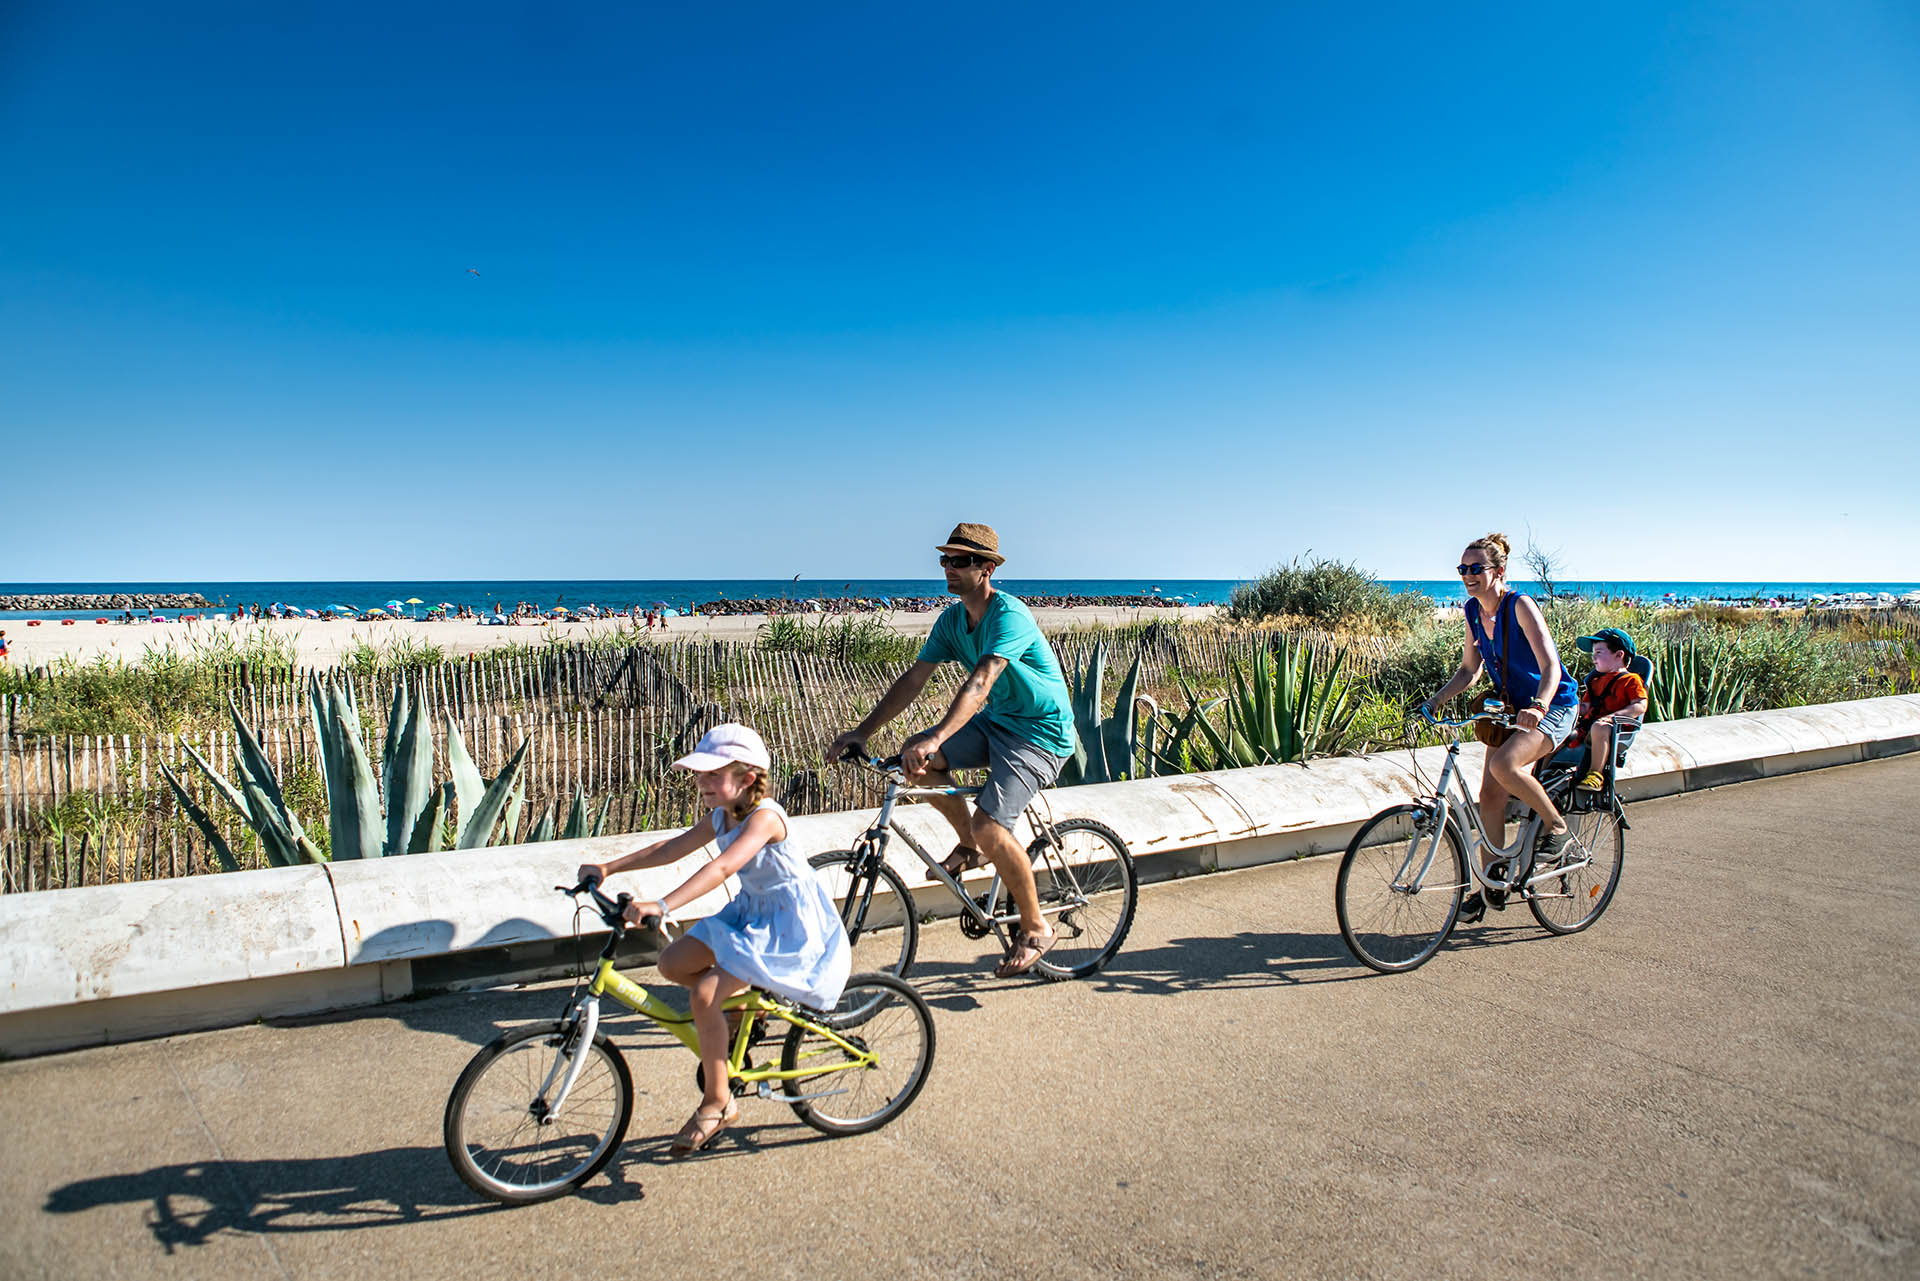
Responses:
[1421,661]
[1327,593]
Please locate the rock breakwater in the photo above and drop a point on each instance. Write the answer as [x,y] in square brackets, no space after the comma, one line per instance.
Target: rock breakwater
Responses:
[121,600]
[911,604]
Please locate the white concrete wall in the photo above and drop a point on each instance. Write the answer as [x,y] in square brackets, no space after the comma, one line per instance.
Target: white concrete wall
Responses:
[103,963]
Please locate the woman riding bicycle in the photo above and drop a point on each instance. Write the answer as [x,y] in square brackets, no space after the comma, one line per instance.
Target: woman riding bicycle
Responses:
[1507,636]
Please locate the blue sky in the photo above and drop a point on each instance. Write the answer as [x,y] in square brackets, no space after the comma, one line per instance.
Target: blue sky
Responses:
[1157,290]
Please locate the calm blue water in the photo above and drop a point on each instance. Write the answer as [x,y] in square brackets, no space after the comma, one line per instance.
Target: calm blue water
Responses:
[621,594]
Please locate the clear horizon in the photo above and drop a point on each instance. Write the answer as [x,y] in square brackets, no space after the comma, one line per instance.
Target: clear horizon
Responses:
[306,291]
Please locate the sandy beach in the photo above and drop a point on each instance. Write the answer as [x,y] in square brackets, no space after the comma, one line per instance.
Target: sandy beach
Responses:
[320,644]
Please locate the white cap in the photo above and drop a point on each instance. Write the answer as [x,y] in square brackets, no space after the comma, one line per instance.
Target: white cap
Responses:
[726,745]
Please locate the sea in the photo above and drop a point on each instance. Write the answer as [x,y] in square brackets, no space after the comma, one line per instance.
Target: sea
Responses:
[680,594]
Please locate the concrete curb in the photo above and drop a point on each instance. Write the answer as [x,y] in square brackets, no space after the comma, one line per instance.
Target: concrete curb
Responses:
[111,963]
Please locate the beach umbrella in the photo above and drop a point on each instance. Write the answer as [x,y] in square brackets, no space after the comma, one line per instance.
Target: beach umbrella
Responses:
[394,607]
[343,609]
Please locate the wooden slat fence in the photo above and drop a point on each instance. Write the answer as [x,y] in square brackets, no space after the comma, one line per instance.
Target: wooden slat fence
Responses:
[88,809]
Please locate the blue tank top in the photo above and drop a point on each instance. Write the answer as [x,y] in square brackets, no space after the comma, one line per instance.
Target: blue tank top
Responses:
[1510,659]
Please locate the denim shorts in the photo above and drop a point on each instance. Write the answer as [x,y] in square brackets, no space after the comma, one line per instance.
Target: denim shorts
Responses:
[1016,769]
[1557,722]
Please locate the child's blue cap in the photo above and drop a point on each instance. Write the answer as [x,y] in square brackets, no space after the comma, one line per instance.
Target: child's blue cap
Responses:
[1613,636]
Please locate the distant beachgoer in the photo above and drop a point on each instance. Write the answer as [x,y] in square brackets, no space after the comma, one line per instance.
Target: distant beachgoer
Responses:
[1519,656]
[1012,715]
[4,647]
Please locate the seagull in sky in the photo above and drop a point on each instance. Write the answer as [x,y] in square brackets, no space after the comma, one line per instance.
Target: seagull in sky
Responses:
[472,271]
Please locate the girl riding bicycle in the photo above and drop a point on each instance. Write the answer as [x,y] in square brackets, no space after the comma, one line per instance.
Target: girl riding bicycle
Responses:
[1507,635]
[780,933]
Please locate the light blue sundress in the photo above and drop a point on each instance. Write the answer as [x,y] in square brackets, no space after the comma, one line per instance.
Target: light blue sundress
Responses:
[780,932]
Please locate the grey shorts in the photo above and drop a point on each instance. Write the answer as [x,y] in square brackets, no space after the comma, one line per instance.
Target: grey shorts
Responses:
[1016,769]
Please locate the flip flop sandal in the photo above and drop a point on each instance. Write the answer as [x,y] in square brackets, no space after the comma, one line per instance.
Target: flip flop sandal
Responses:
[1037,944]
[963,860]
[701,1129]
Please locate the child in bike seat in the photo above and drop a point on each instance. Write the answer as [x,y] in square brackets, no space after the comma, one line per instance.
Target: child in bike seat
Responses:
[780,932]
[1610,695]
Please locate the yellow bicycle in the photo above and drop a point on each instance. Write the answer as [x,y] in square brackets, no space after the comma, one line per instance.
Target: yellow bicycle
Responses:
[542,1109]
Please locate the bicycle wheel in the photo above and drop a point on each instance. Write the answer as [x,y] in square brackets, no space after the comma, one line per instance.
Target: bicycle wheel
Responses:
[1570,903]
[883,926]
[499,1135]
[888,1020]
[1092,873]
[1386,925]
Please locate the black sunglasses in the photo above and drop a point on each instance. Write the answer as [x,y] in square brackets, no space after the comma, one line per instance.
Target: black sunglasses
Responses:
[1478,567]
[963,562]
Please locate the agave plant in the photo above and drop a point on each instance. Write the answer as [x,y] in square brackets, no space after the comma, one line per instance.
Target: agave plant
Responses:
[405,812]
[1692,679]
[578,824]
[1177,749]
[1286,711]
[1105,750]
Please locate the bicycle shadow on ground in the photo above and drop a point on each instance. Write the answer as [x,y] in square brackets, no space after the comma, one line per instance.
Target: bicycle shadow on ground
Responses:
[1250,959]
[193,1202]
[745,1138]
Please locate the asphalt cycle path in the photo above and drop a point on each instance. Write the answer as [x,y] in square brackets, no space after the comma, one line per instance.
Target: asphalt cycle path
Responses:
[1716,1080]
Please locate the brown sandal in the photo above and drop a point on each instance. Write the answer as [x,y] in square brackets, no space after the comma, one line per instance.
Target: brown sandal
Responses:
[963,860]
[702,1128]
[1035,945]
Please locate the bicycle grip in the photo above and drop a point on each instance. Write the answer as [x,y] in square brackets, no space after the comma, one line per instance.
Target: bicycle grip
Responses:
[854,752]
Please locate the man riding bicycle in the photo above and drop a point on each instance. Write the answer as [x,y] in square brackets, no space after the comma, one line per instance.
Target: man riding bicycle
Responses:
[1013,716]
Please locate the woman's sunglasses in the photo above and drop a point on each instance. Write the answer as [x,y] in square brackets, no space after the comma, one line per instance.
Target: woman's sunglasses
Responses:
[963,562]
[1478,567]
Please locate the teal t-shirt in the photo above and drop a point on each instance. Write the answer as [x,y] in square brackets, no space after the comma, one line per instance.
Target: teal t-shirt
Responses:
[1030,699]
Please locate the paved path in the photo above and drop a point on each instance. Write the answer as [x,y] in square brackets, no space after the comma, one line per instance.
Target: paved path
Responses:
[1717,1080]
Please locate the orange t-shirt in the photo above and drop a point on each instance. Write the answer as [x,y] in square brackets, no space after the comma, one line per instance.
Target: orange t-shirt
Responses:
[1605,694]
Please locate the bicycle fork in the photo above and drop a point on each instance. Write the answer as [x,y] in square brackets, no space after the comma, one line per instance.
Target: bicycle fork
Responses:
[575,1044]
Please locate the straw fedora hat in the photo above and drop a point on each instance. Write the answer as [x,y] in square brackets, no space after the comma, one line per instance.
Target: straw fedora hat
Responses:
[978,539]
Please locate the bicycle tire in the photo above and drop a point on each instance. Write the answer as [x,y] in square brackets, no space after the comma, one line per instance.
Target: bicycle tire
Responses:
[855,903]
[1570,903]
[1103,869]
[499,1093]
[888,1019]
[1388,929]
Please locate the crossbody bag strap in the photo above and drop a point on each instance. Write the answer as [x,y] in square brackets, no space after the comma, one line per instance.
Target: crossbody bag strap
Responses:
[1500,615]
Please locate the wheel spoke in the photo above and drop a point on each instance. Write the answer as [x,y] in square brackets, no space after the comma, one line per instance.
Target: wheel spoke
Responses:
[498,1144]
[1387,923]
[1595,852]
[889,1023]
[1087,888]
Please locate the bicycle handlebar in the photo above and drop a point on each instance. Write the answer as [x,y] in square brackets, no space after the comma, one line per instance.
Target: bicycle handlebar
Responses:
[612,911]
[1498,718]
[857,755]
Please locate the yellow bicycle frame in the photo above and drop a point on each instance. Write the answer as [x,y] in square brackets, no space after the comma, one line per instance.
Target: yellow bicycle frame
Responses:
[754,1004]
